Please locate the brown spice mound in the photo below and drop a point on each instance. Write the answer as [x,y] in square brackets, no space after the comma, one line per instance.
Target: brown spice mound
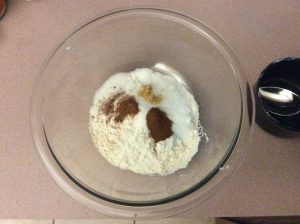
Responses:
[126,106]
[146,92]
[108,106]
[119,106]
[159,125]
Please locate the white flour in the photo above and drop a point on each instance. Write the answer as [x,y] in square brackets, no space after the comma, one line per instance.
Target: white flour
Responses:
[128,145]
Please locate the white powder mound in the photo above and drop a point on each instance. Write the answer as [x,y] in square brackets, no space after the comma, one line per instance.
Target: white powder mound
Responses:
[128,145]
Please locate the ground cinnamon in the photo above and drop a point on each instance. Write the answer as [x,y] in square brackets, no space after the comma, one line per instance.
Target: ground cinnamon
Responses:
[126,106]
[108,106]
[119,106]
[159,125]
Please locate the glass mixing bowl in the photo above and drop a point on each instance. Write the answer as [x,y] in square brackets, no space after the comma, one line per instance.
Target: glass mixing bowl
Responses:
[121,41]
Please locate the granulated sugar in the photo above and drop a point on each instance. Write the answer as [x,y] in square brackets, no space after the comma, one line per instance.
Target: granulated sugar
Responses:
[128,144]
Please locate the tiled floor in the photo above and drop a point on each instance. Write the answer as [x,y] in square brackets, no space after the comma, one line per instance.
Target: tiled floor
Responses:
[114,221]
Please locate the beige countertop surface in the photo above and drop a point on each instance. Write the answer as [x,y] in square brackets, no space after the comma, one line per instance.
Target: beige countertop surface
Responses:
[267,182]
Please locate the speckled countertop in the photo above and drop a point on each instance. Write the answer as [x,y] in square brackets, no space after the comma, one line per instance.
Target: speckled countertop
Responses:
[267,182]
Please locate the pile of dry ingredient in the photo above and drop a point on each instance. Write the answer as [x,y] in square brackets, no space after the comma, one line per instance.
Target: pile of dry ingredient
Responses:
[146,122]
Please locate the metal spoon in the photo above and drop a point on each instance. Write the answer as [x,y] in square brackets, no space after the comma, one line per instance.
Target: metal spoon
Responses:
[281,101]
